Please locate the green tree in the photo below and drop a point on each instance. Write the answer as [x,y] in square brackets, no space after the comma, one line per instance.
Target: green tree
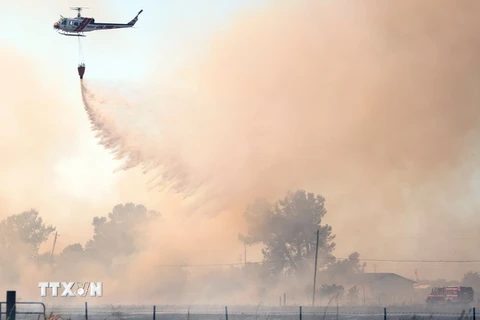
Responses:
[342,270]
[471,279]
[25,232]
[287,229]
[330,290]
[71,254]
[353,294]
[20,238]
[72,251]
[122,233]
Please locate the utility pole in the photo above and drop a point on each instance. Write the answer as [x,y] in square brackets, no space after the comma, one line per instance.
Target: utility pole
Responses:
[416,275]
[245,254]
[54,243]
[315,271]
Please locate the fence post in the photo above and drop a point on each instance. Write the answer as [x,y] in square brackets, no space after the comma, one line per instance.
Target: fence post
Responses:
[154,312]
[86,311]
[226,313]
[300,312]
[384,313]
[474,315]
[11,310]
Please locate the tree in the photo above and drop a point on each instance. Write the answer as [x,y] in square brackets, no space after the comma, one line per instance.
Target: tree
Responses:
[471,279]
[25,231]
[121,234]
[332,290]
[341,270]
[353,293]
[287,229]
[20,238]
[71,254]
[72,249]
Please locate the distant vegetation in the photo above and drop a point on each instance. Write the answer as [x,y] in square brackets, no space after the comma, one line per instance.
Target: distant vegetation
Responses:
[286,229]
[471,279]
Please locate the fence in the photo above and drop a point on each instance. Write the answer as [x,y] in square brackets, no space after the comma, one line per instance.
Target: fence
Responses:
[11,307]
[157,312]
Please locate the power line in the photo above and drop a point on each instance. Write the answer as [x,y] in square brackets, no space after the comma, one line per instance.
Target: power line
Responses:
[429,238]
[421,261]
[306,258]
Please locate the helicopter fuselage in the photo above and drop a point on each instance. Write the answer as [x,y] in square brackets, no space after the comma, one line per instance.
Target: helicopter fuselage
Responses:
[73,25]
[79,25]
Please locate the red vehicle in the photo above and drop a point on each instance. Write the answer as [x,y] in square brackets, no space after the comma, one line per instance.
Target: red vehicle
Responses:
[451,295]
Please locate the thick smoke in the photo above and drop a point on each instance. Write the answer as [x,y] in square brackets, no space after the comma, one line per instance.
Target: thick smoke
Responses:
[30,142]
[374,105]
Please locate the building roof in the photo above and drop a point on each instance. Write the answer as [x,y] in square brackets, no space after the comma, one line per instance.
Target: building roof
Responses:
[422,286]
[367,278]
[372,277]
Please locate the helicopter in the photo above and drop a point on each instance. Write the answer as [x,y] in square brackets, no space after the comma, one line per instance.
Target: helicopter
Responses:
[79,25]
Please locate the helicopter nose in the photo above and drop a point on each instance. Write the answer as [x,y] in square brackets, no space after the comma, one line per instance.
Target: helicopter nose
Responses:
[55,25]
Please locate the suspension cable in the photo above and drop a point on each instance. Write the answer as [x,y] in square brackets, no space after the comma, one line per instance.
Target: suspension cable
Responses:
[80,52]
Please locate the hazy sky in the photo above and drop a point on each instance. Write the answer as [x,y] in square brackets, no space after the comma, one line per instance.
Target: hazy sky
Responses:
[74,179]
[84,173]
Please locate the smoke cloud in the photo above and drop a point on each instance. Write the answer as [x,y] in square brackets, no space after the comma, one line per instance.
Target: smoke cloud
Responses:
[374,105]
[30,140]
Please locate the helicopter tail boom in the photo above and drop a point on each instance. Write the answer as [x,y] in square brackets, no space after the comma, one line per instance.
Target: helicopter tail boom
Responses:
[134,20]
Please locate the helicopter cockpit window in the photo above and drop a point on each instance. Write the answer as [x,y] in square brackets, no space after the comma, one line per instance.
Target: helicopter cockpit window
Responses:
[64,22]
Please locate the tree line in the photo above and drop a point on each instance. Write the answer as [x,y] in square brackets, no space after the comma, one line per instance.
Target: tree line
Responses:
[286,229]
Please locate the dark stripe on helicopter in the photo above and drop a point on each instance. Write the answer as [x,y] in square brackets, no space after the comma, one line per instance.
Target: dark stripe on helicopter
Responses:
[77,29]
[82,25]
[107,25]
[85,24]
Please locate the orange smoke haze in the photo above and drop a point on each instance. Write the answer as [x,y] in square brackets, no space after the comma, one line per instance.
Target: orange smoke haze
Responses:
[372,105]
